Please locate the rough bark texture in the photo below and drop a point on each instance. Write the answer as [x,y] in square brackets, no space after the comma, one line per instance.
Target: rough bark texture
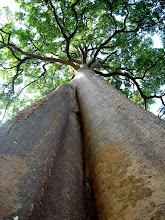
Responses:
[42,158]
[41,161]
[124,151]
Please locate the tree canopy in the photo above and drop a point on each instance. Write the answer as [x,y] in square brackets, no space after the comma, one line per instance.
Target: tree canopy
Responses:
[43,43]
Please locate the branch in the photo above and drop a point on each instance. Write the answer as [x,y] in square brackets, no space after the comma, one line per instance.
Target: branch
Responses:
[150,67]
[111,9]
[155,96]
[125,19]
[109,39]
[105,47]
[84,55]
[76,18]
[34,80]
[9,98]
[145,98]
[162,110]
[33,56]
[18,73]
[8,68]
[34,45]
[74,60]
[128,76]
[60,27]
[114,52]
[3,40]
[56,19]
[101,46]
[8,33]
[14,54]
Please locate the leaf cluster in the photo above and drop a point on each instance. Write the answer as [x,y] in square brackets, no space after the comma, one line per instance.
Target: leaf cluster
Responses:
[44,42]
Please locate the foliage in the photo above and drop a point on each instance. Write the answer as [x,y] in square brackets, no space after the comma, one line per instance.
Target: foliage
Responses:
[46,40]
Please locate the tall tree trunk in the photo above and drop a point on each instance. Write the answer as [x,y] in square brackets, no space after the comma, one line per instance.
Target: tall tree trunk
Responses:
[42,158]
[124,151]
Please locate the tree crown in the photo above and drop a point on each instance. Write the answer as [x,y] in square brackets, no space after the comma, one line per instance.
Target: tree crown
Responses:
[43,43]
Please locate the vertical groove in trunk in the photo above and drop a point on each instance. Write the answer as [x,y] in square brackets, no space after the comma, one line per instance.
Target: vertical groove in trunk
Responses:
[91,212]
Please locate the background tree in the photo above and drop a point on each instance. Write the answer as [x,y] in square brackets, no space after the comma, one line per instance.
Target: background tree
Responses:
[43,43]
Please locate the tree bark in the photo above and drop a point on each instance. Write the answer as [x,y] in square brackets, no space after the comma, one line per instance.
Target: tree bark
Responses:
[124,151]
[47,173]
[41,161]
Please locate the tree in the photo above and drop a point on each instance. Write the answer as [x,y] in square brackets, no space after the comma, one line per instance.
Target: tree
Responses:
[44,42]
[85,151]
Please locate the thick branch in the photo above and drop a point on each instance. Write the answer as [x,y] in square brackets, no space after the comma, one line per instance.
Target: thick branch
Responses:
[84,55]
[60,28]
[101,46]
[33,56]
[109,39]
[12,51]
[56,19]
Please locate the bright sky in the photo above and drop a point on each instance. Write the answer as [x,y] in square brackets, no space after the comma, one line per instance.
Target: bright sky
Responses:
[10,3]
[15,7]
[157,41]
